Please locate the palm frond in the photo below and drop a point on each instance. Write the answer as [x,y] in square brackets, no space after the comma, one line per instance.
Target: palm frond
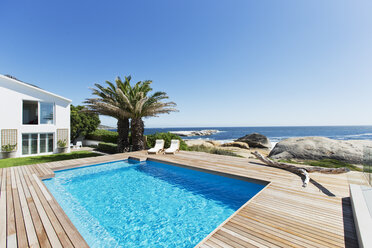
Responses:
[121,100]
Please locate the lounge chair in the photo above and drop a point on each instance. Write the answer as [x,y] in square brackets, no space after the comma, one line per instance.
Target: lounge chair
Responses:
[159,147]
[175,147]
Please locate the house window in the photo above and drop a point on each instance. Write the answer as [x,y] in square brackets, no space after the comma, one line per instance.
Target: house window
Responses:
[29,143]
[30,112]
[46,142]
[33,143]
[43,143]
[25,144]
[46,113]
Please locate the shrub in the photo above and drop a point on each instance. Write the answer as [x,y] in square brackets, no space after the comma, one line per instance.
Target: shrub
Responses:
[212,150]
[8,148]
[103,135]
[167,137]
[107,147]
[62,143]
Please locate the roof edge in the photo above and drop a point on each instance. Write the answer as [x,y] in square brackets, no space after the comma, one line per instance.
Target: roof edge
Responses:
[35,88]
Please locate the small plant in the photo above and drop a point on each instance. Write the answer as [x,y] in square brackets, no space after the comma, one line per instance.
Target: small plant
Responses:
[8,148]
[61,143]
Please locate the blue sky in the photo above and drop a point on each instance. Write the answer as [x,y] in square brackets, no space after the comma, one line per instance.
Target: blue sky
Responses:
[225,63]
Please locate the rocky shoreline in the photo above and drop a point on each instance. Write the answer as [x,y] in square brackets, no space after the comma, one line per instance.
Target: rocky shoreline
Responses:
[298,148]
[195,133]
[243,146]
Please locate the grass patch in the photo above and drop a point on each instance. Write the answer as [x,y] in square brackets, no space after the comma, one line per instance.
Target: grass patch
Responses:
[212,150]
[328,163]
[9,162]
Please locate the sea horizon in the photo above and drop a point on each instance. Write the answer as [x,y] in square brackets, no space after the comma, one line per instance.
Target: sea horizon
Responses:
[274,133]
[165,127]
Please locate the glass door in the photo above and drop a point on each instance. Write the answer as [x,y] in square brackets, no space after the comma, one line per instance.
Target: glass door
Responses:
[42,143]
[46,142]
[25,144]
[29,143]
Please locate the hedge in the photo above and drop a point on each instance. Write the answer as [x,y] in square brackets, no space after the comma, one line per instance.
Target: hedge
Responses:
[167,137]
[103,135]
[107,147]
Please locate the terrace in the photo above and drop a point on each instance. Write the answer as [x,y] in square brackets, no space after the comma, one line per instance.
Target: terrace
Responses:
[282,214]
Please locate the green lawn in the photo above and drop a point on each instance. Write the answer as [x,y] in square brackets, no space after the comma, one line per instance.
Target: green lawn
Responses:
[9,162]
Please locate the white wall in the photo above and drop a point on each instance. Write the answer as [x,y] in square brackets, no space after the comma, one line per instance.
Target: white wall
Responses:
[12,95]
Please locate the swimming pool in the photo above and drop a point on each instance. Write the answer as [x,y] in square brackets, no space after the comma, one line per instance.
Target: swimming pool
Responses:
[147,204]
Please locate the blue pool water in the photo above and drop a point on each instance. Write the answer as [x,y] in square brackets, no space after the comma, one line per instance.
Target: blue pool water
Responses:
[147,204]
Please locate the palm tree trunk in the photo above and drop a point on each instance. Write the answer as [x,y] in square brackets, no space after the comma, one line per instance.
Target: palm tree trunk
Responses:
[137,129]
[123,131]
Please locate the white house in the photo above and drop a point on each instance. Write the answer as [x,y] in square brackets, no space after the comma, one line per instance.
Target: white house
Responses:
[32,118]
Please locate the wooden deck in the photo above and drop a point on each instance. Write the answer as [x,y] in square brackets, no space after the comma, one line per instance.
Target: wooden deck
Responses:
[282,215]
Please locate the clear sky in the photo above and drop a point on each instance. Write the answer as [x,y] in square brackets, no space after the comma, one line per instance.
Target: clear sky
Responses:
[225,63]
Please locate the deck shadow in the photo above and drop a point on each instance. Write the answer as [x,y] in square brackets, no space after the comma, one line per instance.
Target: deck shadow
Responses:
[350,236]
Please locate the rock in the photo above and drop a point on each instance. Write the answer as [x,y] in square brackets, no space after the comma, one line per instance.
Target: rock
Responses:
[214,142]
[194,133]
[255,140]
[263,151]
[199,142]
[236,144]
[315,148]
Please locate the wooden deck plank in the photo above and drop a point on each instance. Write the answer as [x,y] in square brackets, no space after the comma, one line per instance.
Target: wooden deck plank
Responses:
[295,226]
[11,218]
[3,209]
[18,213]
[30,230]
[40,231]
[249,237]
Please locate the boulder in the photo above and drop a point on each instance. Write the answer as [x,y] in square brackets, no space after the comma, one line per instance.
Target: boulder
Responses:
[214,142]
[315,148]
[236,144]
[255,140]
[199,142]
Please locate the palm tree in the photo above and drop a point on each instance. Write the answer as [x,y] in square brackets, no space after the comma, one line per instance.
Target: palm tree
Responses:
[124,102]
[109,102]
[142,104]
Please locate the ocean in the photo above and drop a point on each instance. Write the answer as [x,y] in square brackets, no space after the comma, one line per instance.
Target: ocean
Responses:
[275,134]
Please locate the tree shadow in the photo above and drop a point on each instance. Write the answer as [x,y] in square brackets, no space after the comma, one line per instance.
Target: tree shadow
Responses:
[321,188]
